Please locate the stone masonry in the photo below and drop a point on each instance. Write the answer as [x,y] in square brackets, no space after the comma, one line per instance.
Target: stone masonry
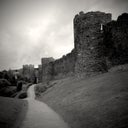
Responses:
[64,66]
[116,41]
[29,72]
[99,44]
[88,36]
[47,69]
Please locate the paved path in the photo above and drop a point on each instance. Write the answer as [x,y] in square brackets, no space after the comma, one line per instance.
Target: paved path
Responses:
[39,115]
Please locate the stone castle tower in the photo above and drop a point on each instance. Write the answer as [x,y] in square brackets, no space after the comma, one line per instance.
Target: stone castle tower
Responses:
[88,40]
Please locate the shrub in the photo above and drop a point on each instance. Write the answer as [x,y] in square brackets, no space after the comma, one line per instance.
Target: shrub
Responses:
[40,89]
[9,91]
[22,95]
[4,83]
[5,88]
[20,85]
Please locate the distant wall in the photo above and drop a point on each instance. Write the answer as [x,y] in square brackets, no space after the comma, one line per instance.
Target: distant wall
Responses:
[59,68]
[47,69]
[29,72]
[65,65]
[39,73]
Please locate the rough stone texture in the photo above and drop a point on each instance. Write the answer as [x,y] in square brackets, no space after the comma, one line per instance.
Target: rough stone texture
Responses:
[99,45]
[88,36]
[47,69]
[59,68]
[39,73]
[29,72]
[64,66]
[116,41]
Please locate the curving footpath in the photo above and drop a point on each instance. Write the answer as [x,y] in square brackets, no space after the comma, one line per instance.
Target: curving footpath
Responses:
[39,115]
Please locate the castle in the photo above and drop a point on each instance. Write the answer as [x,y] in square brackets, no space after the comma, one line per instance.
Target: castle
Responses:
[99,44]
[28,72]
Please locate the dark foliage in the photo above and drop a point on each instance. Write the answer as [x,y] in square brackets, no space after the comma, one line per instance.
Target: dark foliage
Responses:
[22,95]
[4,83]
[19,86]
[5,88]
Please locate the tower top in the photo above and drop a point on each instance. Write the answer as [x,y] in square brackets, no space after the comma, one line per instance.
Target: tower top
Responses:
[93,17]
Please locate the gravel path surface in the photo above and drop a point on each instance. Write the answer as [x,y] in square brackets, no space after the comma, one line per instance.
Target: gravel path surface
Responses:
[39,115]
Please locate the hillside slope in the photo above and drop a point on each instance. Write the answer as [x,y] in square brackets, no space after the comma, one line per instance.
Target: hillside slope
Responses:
[12,112]
[97,102]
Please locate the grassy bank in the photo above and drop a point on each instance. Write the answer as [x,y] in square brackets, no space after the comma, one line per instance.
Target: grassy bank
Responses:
[97,102]
[12,112]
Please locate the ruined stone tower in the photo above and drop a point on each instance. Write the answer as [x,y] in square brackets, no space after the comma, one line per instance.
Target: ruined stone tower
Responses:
[88,40]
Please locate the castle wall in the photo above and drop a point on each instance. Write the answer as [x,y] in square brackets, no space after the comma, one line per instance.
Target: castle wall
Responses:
[59,68]
[116,41]
[47,69]
[88,36]
[29,72]
[99,44]
[86,57]
[64,66]
[39,73]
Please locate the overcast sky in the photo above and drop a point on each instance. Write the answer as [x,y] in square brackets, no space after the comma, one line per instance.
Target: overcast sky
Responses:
[32,29]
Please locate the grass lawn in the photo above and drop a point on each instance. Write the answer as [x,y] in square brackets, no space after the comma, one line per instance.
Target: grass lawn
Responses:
[12,112]
[97,102]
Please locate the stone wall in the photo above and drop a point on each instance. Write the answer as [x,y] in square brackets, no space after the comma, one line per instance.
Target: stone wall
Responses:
[116,41]
[47,69]
[88,35]
[99,44]
[29,72]
[59,68]
[39,73]
[64,66]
